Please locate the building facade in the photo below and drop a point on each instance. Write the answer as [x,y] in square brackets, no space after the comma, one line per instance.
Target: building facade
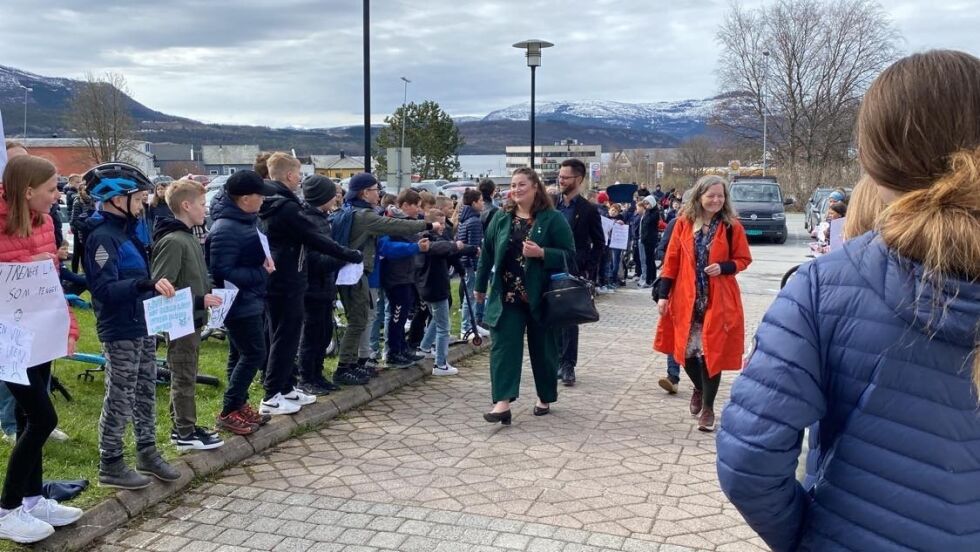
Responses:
[547,158]
[226,159]
[337,166]
[73,156]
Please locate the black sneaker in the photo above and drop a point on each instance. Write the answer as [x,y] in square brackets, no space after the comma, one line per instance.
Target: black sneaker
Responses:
[362,366]
[313,388]
[398,361]
[324,382]
[346,375]
[200,439]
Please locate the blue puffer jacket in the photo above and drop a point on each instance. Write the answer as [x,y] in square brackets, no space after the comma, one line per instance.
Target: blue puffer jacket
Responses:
[855,348]
[235,255]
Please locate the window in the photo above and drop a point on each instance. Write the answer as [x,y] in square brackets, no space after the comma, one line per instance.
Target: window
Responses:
[229,170]
[213,171]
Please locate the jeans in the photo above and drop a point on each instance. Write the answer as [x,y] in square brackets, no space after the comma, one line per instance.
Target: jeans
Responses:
[612,269]
[401,299]
[37,419]
[477,307]
[380,321]
[673,369]
[568,345]
[438,331]
[8,407]
[642,264]
[247,336]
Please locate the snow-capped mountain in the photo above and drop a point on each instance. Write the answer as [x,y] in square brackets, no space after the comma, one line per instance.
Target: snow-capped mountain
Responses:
[679,119]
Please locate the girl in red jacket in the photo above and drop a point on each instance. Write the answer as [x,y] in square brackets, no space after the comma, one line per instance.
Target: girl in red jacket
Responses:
[701,317]
[30,187]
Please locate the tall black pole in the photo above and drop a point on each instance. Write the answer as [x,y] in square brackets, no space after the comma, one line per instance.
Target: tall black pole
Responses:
[367,86]
[532,116]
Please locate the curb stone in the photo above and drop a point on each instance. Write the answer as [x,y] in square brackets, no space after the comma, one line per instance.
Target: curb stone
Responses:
[119,509]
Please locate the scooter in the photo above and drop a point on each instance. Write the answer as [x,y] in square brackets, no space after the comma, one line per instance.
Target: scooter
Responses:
[476,339]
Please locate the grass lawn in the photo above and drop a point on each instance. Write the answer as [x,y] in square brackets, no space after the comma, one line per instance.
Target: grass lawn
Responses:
[78,458]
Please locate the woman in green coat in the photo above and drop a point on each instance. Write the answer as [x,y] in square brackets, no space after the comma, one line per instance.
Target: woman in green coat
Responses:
[525,243]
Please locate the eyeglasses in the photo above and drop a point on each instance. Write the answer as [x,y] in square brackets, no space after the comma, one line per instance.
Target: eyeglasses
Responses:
[564,178]
[372,189]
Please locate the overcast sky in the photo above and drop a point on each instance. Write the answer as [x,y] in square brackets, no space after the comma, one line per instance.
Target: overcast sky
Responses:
[298,62]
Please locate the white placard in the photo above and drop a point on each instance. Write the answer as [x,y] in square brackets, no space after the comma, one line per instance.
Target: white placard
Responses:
[216,318]
[620,236]
[174,315]
[350,274]
[607,226]
[15,351]
[836,234]
[31,297]
[3,153]
[264,240]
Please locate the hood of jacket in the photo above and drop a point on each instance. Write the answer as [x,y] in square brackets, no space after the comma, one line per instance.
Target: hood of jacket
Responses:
[272,204]
[950,312]
[466,213]
[224,208]
[167,226]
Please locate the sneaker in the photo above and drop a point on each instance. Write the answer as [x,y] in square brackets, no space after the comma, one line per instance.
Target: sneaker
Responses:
[49,511]
[278,405]
[669,386]
[366,366]
[20,526]
[149,462]
[696,402]
[706,421]
[119,476]
[447,370]
[59,435]
[324,382]
[313,388]
[200,439]
[427,353]
[298,397]
[254,417]
[482,331]
[398,361]
[347,374]
[235,422]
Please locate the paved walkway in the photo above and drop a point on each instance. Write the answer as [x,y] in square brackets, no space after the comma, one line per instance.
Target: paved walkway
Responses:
[618,465]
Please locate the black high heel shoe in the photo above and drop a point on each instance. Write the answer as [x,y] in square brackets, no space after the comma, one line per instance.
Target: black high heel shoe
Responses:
[538,411]
[494,417]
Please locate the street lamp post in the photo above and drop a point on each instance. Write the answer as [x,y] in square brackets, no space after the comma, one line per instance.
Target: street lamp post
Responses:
[765,112]
[367,85]
[533,48]
[404,124]
[26,90]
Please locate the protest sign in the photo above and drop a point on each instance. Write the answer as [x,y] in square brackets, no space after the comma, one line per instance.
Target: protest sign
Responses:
[619,238]
[174,315]
[31,298]
[264,240]
[216,318]
[350,274]
[607,226]
[15,350]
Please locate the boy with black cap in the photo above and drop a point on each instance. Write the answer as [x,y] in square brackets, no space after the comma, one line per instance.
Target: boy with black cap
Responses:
[319,199]
[290,235]
[236,257]
[362,196]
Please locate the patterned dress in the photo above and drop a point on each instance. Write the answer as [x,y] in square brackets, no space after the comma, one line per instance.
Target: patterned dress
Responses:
[702,247]
[515,290]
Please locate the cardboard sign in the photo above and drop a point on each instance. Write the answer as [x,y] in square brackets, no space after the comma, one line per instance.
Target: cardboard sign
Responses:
[350,274]
[216,315]
[31,298]
[174,315]
[264,240]
[15,352]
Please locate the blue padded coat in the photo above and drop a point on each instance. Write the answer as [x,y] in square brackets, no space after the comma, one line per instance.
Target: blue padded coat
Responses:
[855,349]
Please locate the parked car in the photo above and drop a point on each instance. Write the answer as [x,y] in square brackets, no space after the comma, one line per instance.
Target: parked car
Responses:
[217,183]
[816,207]
[66,230]
[432,186]
[760,204]
[455,189]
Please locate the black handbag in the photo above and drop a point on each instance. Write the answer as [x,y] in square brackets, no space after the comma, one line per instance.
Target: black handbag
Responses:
[569,301]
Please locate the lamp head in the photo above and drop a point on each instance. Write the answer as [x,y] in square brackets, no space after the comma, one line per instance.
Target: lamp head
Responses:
[533,48]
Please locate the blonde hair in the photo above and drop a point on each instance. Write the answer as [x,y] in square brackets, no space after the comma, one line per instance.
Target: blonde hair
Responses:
[183,190]
[923,140]
[427,199]
[692,209]
[23,172]
[434,215]
[280,163]
[863,209]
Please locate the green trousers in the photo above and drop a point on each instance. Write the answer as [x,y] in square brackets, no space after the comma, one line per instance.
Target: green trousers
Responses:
[357,303]
[507,355]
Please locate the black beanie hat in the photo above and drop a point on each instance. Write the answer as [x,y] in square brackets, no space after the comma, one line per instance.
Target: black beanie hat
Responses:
[318,189]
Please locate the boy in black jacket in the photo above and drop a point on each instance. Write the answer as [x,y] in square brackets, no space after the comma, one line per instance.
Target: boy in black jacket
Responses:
[398,281]
[434,289]
[289,234]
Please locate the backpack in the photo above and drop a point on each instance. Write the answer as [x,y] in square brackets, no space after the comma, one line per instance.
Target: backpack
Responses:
[341,223]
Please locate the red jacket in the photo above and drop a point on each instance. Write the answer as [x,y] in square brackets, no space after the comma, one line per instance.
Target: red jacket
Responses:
[14,249]
[723,340]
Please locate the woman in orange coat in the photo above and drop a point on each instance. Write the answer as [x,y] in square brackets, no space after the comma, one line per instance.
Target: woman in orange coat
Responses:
[701,318]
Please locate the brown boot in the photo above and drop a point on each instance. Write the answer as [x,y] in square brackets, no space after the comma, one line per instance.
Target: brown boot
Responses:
[706,421]
[696,402]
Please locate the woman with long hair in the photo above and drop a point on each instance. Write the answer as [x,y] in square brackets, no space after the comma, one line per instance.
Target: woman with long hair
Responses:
[701,318]
[526,242]
[874,347]
[30,188]
[863,209]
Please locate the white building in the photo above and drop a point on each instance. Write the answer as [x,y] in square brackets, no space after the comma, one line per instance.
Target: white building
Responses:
[547,158]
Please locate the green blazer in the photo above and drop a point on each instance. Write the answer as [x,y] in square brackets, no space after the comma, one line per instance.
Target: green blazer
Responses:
[551,232]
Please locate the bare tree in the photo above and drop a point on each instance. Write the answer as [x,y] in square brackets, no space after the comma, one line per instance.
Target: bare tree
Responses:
[99,113]
[696,155]
[822,55]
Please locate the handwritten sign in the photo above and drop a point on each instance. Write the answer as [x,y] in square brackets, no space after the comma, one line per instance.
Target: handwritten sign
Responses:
[15,352]
[174,315]
[350,274]
[216,315]
[264,240]
[31,297]
[619,237]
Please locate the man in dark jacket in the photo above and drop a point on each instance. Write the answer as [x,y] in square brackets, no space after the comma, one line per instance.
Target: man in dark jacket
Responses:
[649,237]
[289,235]
[586,225]
[319,197]
[487,190]
[470,232]
[398,281]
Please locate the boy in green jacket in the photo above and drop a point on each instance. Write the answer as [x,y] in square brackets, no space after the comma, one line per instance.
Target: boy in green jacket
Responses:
[178,257]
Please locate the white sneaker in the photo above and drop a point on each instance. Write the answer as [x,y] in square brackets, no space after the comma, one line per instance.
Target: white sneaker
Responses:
[59,435]
[447,370]
[482,331]
[300,398]
[278,405]
[20,526]
[430,353]
[49,511]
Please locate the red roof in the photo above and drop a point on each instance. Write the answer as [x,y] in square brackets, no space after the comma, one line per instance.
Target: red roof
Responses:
[68,160]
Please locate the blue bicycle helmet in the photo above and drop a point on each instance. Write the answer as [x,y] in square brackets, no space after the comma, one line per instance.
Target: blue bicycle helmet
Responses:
[109,180]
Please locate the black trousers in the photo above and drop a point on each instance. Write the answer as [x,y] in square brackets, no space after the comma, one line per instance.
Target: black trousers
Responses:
[697,370]
[316,336]
[246,338]
[78,250]
[285,322]
[36,419]
[419,320]
[401,299]
[568,345]
[650,270]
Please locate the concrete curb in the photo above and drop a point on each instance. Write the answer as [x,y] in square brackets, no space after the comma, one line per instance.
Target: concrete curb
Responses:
[118,509]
